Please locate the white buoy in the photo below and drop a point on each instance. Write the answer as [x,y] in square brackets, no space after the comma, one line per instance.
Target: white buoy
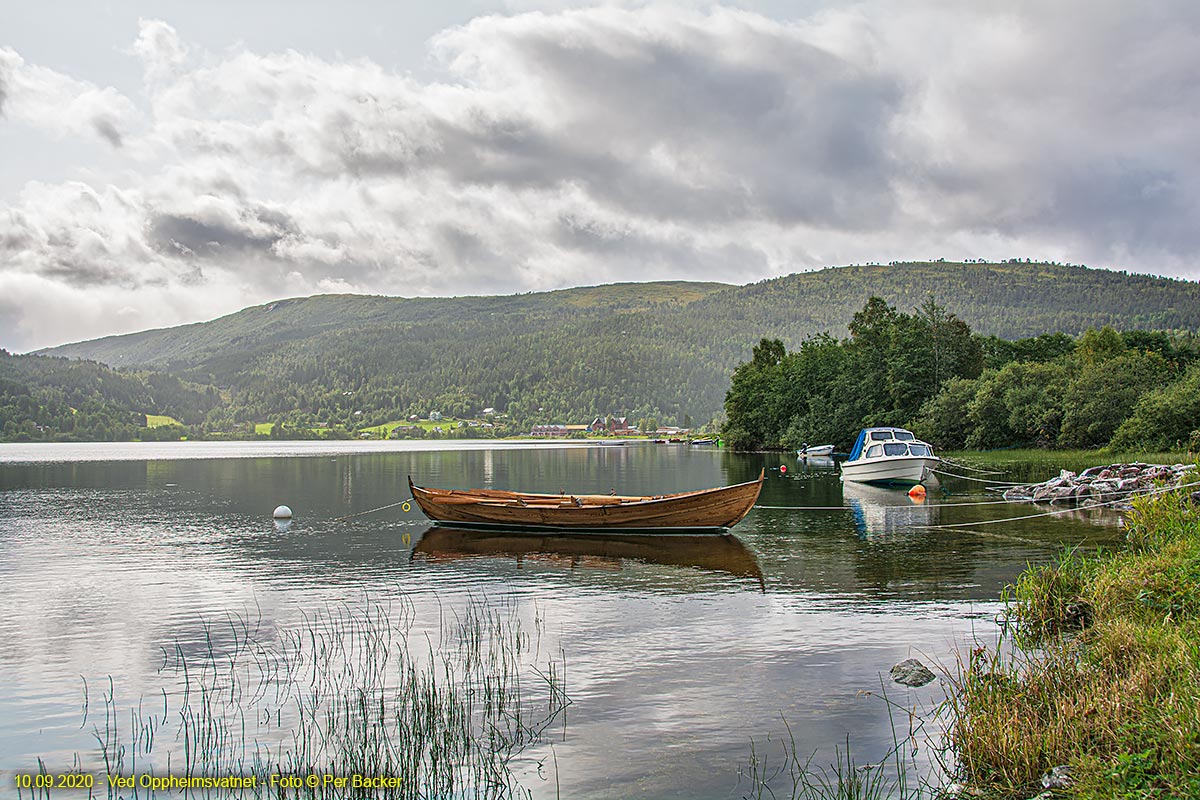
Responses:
[282,512]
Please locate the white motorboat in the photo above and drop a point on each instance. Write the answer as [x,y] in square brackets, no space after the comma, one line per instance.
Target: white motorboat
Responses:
[889,456]
[815,450]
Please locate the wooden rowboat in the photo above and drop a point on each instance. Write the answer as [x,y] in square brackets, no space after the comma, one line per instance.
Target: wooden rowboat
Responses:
[684,512]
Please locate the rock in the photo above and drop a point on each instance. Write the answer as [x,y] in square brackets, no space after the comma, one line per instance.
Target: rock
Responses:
[912,673]
[1057,778]
[1101,484]
[1077,616]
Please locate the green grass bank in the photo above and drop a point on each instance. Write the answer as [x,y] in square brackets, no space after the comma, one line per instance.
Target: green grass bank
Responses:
[1098,670]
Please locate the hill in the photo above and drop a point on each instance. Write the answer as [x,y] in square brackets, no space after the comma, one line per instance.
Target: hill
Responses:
[656,349]
[45,398]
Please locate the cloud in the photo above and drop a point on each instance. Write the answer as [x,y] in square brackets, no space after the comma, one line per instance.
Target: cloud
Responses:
[161,50]
[62,106]
[603,144]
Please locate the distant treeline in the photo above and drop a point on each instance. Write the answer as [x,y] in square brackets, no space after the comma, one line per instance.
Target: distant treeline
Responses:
[927,371]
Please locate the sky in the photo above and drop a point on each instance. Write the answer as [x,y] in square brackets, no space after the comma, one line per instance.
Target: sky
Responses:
[168,162]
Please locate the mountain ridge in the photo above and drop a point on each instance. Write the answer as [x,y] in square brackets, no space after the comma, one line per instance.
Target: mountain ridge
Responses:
[663,349]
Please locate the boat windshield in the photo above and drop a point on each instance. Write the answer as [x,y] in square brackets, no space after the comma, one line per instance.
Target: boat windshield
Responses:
[874,450]
[918,449]
[894,449]
[904,436]
[880,436]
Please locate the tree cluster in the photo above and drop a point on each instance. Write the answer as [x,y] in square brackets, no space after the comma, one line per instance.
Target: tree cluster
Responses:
[927,371]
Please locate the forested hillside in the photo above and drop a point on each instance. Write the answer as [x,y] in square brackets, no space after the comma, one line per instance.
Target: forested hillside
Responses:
[662,350]
[59,399]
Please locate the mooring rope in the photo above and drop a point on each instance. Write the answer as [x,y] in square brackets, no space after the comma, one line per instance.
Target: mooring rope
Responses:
[910,505]
[976,480]
[373,510]
[1067,510]
[959,465]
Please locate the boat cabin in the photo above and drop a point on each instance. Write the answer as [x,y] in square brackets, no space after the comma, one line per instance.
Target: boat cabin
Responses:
[894,442]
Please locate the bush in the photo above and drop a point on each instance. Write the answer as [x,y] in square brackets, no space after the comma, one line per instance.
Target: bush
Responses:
[1166,418]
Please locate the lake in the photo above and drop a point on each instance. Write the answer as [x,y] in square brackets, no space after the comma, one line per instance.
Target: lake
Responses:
[116,558]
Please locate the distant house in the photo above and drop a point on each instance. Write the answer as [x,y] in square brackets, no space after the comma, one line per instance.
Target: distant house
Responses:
[611,424]
[434,416]
[548,431]
[489,411]
[400,431]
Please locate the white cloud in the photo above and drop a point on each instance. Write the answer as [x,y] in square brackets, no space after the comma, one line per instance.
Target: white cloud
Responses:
[611,143]
[60,105]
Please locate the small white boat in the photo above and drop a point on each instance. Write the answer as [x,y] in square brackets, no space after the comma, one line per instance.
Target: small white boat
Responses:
[889,456]
[815,450]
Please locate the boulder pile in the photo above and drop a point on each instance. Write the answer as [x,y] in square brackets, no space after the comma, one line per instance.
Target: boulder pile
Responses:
[1106,484]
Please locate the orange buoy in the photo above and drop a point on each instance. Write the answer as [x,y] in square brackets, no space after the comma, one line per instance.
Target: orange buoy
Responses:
[783,469]
[917,493]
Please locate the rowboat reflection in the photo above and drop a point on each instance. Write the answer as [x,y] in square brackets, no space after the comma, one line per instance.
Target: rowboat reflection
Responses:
[720,553]
[877,510]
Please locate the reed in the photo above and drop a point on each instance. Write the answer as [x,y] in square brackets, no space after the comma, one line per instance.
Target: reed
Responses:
[777,769]
[350,691]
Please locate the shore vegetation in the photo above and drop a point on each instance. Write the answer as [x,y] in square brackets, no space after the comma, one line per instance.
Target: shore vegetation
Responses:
[1098,674]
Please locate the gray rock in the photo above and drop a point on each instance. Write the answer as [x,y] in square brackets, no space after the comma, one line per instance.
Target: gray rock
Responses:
[912,673]
[1057,778]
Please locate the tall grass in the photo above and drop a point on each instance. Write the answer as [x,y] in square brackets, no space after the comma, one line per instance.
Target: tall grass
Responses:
[351,691]
[1099,670]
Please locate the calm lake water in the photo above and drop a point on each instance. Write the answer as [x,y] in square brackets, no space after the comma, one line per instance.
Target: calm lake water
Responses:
[677,655]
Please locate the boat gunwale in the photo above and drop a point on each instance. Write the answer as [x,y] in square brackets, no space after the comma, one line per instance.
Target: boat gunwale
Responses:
[500,498]
[437,505]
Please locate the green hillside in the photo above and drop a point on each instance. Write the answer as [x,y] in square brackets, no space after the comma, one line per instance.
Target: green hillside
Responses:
[663,350]
[45,398]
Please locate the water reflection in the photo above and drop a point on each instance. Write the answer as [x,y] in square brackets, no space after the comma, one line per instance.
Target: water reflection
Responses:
[817,464]
[712,553]
[878,511]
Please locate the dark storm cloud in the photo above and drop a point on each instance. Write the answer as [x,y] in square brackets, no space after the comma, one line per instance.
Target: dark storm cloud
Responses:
[793,139]
[254,234]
